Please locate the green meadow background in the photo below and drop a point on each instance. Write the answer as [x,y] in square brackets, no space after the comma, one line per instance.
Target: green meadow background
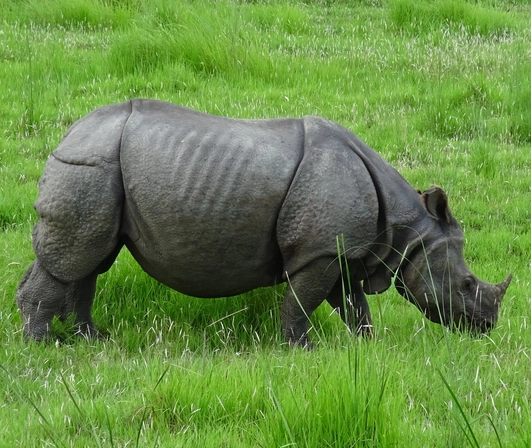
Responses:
[442,89]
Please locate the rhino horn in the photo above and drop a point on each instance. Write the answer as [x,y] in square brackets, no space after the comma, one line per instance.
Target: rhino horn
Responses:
[502,287]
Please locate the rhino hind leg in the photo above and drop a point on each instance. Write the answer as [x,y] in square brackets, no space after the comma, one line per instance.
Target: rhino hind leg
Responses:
[41,297]
[305,291]
[352,306]
[75,239]
[78,304]
[37,314]
[80,296]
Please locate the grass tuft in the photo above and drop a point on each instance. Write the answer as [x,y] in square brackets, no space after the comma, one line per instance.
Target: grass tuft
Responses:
[423,16]
[74,15]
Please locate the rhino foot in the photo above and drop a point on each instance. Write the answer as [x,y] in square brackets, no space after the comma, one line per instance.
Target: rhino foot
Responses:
[365,331]
[89,331]
[41,297]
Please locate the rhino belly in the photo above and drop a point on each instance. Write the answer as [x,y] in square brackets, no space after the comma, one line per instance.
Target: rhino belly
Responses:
[202,197]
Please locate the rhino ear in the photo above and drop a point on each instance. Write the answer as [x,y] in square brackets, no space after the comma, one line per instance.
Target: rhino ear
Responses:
[436,204]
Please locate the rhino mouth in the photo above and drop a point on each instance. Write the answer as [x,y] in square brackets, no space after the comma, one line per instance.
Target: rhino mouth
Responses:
[484,327]
[472,323]
[470,319]
[477,322]
[483,304]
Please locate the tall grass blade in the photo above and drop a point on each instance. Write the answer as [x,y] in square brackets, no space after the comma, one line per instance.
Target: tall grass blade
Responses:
[144,414]
[471,437]
[139,432]
[109,426]
[340,245]
[278,407]
[495,431]
[46,426]
[79,409]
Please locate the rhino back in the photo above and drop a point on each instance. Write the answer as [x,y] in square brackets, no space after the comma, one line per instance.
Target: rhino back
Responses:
[202,196]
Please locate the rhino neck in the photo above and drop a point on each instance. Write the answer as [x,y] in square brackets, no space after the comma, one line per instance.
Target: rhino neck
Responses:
[401,240]
[402,224]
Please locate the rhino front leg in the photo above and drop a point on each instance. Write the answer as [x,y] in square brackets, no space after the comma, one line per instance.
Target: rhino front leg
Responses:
[352,306]
[305,291]
[80,297]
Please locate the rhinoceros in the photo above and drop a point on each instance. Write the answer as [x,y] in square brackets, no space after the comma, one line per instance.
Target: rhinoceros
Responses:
[214,207]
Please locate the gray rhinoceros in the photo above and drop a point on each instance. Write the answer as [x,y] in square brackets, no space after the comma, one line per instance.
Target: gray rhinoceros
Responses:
[215,207]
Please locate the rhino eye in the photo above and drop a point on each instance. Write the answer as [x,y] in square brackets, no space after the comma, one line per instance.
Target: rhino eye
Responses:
[468,284]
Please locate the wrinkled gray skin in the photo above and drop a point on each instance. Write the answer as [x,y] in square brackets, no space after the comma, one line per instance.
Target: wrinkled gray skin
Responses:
[216,207]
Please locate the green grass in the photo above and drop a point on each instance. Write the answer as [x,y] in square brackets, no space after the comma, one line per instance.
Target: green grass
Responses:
[440,88]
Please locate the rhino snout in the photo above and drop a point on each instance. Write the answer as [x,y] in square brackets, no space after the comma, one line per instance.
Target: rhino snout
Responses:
[483,314]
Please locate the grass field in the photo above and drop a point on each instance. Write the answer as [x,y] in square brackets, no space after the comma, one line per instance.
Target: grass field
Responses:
[442,89]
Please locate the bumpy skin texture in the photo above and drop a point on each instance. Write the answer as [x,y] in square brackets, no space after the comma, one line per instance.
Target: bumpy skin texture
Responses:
[214,207]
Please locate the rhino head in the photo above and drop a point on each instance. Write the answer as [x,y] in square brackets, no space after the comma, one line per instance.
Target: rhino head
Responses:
[435,277]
